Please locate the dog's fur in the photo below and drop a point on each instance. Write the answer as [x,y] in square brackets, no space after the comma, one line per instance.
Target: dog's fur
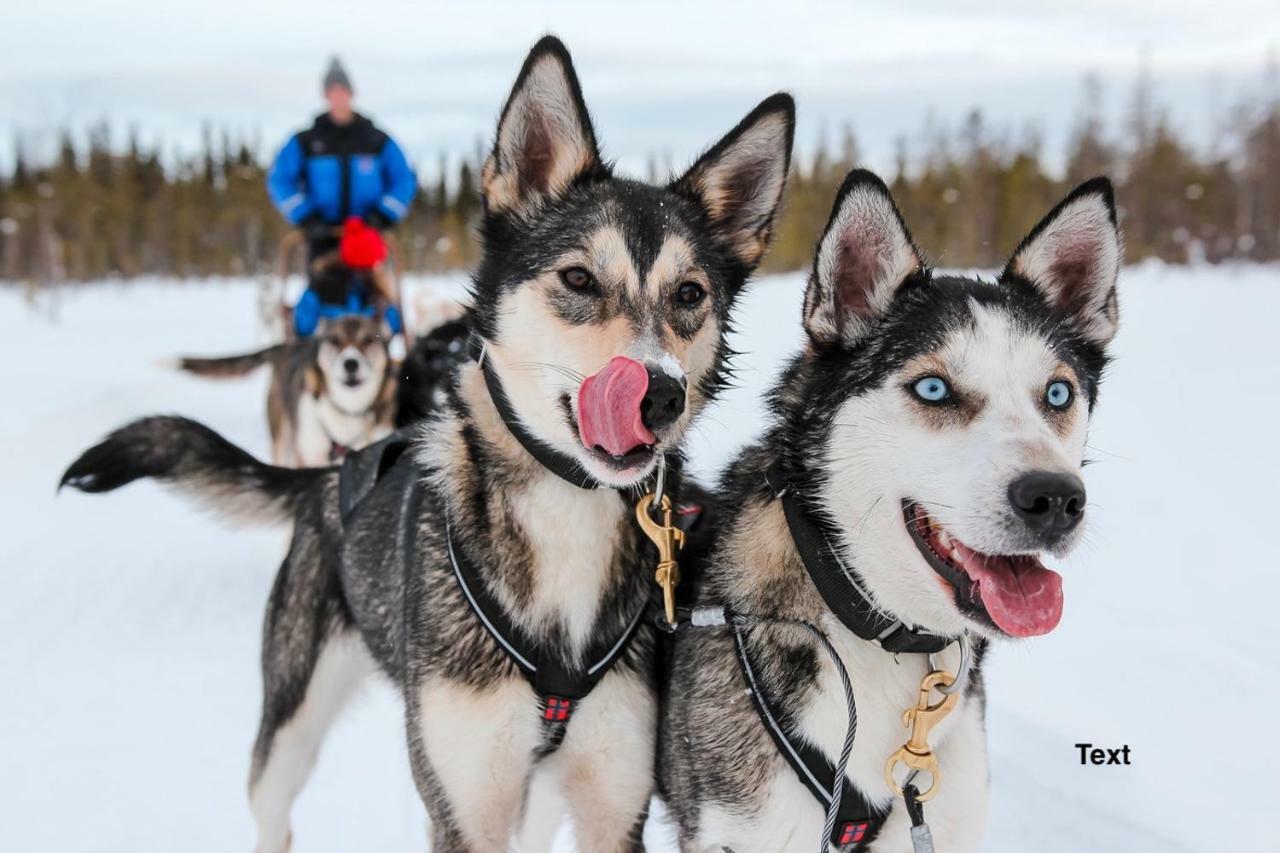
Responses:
[856,443]
[330,393]
[565,562]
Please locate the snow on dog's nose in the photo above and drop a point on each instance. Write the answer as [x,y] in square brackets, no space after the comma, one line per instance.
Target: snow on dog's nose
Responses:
[609,414]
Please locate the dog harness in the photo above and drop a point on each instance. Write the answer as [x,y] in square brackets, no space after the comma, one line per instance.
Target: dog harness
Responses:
[559,685]
[858,819]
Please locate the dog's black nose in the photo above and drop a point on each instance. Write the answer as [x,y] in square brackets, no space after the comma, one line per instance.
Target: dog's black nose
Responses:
[663,402]
[1047,502]
[351,365]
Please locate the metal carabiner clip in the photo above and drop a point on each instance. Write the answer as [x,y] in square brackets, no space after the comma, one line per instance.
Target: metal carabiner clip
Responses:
[668,539]
[921,718]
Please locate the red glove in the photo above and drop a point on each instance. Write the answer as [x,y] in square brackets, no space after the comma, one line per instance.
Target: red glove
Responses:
[361,247]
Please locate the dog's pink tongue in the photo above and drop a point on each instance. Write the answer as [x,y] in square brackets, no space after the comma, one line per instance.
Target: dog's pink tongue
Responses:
[609,407]
[1022,597]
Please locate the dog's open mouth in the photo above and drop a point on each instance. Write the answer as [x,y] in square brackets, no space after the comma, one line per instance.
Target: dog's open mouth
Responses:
[1015,593]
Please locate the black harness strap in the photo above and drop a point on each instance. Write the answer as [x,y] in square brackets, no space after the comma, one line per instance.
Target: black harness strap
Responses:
[840,587]
[559,686]
[562,465]
[858,821]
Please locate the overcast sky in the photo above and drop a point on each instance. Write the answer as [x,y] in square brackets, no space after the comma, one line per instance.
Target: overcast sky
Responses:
[661,77]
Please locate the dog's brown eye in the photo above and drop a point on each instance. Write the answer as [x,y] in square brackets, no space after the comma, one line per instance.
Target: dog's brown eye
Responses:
[690,293]
[578,278]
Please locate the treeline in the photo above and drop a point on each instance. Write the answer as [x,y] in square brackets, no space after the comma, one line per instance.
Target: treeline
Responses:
[970,193]
[100,211]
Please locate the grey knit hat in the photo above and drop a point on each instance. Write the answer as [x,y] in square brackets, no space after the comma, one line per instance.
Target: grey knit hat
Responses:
[336,75]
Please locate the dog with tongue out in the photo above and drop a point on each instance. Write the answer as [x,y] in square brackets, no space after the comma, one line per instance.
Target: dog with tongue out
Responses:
[496,571]
[923,463]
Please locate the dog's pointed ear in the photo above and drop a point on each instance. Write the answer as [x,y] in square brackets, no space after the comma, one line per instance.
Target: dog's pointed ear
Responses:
[739,181]
[1073,258]
[864,256]
[545,141]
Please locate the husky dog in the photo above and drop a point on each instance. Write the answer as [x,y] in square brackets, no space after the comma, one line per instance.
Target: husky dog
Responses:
[926,448]
[427,368]
[331,393]
[495,572]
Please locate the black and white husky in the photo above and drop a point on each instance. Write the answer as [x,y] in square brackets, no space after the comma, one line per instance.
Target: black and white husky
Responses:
[496,569]
[926,449]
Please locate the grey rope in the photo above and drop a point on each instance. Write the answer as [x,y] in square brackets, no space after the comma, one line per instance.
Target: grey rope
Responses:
[851,730]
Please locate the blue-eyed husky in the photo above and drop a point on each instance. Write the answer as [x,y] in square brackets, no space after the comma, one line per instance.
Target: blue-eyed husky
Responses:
[926,448]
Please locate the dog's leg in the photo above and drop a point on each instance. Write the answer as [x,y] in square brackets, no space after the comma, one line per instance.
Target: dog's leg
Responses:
[607,764]
[312,664]
[472,753]
[285,752]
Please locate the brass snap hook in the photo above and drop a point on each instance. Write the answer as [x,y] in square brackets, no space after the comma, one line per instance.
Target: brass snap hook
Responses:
[921,718]
[668,539]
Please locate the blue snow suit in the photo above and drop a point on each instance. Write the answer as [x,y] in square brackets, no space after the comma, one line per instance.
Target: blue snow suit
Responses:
[336,170]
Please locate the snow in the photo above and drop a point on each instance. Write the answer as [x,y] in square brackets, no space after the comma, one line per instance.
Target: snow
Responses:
[129,625]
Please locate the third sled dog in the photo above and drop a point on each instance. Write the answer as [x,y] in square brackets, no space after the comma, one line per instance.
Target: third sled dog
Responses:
[601,307]
[926,449]
[330,393]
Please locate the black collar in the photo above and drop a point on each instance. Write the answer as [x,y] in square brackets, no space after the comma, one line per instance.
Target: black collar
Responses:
[840,586]
[562,465]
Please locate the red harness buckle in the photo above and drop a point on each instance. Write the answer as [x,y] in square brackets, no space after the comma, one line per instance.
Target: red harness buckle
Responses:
[557,709]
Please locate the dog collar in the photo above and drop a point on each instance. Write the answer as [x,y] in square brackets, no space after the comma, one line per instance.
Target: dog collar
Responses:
[562,465]
[839,585]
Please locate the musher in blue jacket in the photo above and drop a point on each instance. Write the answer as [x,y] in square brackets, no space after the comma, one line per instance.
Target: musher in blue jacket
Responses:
[342,166]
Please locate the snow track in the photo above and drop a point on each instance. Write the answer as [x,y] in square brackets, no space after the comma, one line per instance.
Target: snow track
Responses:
[129,625]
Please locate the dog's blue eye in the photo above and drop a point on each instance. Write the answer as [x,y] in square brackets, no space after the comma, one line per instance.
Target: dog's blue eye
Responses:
[932,389]
[1058,394]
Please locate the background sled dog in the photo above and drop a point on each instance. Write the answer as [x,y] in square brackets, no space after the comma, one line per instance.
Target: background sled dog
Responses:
[330,393]
[932,435]
[601,305]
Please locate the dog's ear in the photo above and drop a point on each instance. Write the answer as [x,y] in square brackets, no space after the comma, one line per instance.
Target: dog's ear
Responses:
[739,181]
[864,256]
[1073,258]
[545,141]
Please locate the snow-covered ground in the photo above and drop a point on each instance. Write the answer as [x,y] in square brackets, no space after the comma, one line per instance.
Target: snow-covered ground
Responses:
[129,624]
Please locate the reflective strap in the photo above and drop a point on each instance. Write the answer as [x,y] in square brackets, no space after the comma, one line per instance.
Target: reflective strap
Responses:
[291,202]
[475,606]
[394,205]
[609,657]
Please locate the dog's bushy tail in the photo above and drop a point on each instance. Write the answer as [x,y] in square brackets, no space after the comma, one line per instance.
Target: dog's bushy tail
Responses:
[229,366]
[197,462]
